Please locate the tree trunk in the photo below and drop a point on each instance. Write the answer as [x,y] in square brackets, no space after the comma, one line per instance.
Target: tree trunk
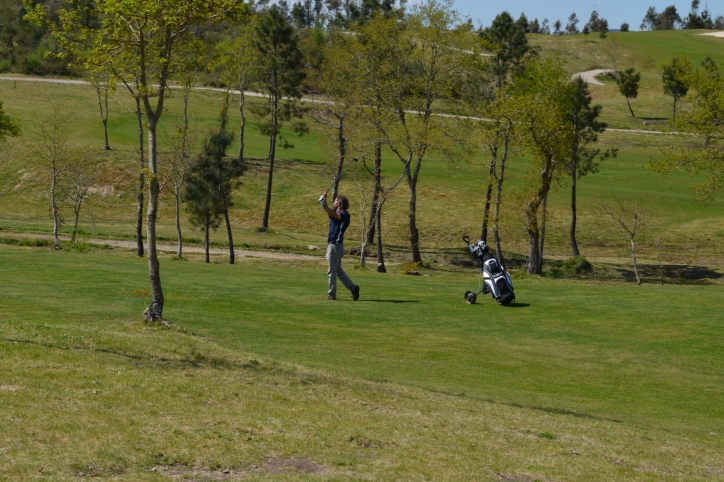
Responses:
[179,250]
[154,312]
[572,234]
[414,233]
[496,214]
[375,193]
[272,148]
[674,107]
[141,182]
[633,255]
[206,240]
[228,230]
[488,197]
[629,107]
[340,161]
[104,118]
[54,207]
[533,264]
[76,211]
[242,100]
[380,257]
[542,232]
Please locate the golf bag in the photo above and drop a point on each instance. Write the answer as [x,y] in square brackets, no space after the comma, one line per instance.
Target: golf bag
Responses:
[495,280]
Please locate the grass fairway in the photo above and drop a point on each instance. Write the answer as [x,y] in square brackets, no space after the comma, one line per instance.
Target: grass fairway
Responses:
[263,378]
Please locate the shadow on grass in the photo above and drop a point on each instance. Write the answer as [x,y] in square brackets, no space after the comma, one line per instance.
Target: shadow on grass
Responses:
[518,305]
[391,301]
[673,274]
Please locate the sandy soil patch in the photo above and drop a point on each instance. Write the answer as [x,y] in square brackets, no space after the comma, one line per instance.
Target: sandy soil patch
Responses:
[590,75]
[714,34]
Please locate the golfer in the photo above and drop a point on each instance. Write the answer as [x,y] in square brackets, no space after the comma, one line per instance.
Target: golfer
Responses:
[338,222]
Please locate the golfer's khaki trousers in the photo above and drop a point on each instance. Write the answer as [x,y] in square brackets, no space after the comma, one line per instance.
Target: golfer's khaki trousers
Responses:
[334,258]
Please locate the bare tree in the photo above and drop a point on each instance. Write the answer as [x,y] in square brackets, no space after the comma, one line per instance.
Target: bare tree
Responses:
[49,151]
[178,164]
[76,179]
[103,84]
[630,217]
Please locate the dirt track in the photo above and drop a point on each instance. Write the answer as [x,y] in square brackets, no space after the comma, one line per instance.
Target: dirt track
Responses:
[171,248]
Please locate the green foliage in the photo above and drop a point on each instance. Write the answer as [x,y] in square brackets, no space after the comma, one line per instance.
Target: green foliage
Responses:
[578,265]
[628,84]
[506,39]
[410,267]
[9,125]
[703,119]
[675,77]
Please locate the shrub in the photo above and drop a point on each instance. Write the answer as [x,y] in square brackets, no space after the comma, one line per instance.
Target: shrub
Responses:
[578,265]
[410,267]
[5,65]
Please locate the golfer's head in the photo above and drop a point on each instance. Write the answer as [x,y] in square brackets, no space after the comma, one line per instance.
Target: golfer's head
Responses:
[342,202]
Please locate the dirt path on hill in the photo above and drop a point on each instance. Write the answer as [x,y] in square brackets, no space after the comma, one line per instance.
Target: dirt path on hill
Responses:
[171,248]
[590,75]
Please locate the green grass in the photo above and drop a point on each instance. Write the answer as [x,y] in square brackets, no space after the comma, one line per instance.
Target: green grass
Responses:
[450,195]
[576,381]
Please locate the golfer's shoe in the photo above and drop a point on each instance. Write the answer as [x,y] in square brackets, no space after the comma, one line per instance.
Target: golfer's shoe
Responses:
[330,297]
[355,293]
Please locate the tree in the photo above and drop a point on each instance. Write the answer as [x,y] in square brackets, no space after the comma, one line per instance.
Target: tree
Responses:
[543,90]
[628,84]
[675,75]
[440,56]
[596,23]
[534,26]
[624,27]
[203,201]
[557,28]
[582,117]
[522,23]
[585,32]
[497,136]
[281,74]
[103,83]
[703,119]
[649,20]
[506,39]
[49,150]
[612,50]
[544,28]
[75,181]
[571,27]
[669,19]
[177,167]
[137,41]
[630,217]
[221,175]
[9,126]
[236,60]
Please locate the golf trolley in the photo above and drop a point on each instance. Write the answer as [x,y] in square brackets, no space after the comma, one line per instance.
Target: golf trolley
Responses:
[493,277]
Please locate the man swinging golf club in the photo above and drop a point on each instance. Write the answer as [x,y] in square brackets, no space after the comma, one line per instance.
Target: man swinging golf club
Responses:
[338,221]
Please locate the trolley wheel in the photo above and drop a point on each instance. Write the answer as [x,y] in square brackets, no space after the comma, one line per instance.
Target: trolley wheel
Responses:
[470,297]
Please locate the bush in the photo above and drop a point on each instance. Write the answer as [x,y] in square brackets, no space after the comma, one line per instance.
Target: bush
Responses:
[80,247]
[410,267]
[578,265]
[5,65]
[34,65]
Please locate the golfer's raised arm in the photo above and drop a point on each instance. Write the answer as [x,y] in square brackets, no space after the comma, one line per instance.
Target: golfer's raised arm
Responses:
[332,213]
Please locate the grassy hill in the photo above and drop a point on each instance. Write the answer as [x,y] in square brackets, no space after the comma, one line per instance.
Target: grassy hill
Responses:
[265,380]
[451,196]
[585,377]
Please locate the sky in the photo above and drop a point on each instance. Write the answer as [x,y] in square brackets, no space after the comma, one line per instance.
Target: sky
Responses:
[615,11]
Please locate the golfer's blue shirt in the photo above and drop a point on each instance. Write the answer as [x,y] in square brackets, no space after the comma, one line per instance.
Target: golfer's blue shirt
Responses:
[337,227]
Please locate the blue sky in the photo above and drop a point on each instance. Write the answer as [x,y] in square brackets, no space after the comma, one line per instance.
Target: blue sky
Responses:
[615,11]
